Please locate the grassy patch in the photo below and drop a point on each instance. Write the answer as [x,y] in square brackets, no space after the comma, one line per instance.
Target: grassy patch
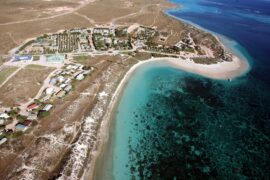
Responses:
[142,55]
[36,58]
[16,134]
[82,59]
[26,44]
[163,55]
[190,49]
[35,67]
[6,72]
[43,114]
[205,60]
[21,118]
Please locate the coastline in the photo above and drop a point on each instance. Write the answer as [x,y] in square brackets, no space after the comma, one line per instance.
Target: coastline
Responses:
[223,40]
[219,71]
[108,117]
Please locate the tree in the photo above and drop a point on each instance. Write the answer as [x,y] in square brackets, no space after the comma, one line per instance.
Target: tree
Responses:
[43,114]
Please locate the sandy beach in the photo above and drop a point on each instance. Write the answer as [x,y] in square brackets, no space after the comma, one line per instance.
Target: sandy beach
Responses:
[221,71]
[105,125]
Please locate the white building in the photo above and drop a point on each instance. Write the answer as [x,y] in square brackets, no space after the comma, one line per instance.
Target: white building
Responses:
[3,140]
[80,77]
[32,116]
[47,107]
[49,91]
[68,88]
[60,79]
[4,116]
[63,85]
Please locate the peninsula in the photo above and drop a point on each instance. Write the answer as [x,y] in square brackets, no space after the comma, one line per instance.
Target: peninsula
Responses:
[59,87]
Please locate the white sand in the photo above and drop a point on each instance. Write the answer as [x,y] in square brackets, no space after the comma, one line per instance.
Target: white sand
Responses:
[222,70]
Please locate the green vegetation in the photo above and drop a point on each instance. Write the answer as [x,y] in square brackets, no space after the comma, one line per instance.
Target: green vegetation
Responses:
[43,114]
[21,118]
[163,55]
[44,36]
[34,123]
[120,33]
[205,60]
[26,44]
[127,53]
[81,59]
[142,55]
[67,42]
[189,49]
[86,67]
[16,134]
[2,60]
[14,111]
[36,58]
[34,66]
[6,72]
[2,136]
[49,51]
[99,42]
[37,101]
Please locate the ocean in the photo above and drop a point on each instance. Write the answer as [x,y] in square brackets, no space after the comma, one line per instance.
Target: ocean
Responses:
[172,124]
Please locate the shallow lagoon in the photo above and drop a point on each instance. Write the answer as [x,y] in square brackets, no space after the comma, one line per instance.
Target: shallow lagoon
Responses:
[173,124]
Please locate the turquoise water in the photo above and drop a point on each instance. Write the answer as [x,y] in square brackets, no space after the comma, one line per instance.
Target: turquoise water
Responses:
[173,124]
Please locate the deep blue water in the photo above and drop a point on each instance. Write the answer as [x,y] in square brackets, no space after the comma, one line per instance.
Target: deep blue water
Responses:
[245,21]
[171,124]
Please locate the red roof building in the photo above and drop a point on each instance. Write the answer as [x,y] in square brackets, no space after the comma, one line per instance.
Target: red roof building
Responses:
[27,123]
[32,106]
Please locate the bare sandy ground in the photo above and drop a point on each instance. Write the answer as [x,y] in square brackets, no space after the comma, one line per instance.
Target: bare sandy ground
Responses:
[223,70]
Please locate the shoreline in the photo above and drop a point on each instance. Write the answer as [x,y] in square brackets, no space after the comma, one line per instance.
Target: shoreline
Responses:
[108,117]
[219,71]
[220,38]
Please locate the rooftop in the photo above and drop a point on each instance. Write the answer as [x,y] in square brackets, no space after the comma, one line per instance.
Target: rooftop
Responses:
[56,58]
[23,58]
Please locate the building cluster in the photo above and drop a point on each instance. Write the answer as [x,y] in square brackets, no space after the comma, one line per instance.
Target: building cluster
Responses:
[55,49]
[68,41]
[142,36]
[13,122]
[104,39]
[60,83]
[186,44]
[18,120]
[111,39]
[150,39]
